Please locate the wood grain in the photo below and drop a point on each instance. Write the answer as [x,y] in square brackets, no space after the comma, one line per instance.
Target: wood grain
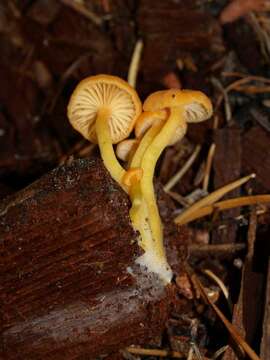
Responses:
[69,284]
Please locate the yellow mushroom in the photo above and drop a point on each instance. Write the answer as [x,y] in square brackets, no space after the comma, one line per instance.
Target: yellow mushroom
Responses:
[147,119]
[147,126]
[104,109]
[183,106]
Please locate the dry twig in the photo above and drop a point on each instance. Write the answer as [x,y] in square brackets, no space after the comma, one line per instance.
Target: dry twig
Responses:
[215,249]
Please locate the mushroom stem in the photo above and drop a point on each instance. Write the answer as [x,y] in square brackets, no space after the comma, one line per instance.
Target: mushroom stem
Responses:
[138,215]
[148,164]
[138,211]
[106,148]
[144,143]
[151,259]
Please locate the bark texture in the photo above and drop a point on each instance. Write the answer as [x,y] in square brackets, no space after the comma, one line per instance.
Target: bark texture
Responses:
[69,288]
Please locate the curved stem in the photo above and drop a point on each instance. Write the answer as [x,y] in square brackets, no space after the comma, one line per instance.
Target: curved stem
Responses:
[148,164]
[144,143]
[139,214]
[138,211]
[106,148]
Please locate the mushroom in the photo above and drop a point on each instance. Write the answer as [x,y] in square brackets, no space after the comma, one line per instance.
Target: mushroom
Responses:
[104,109]
[152,121]
[126,148]
[148,118]
[183,106]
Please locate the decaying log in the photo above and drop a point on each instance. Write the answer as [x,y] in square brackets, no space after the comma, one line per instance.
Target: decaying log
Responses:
[254,155]
[69,286]
[227,166]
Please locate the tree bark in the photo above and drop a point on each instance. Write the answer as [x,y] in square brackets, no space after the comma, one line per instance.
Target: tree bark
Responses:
[69,286]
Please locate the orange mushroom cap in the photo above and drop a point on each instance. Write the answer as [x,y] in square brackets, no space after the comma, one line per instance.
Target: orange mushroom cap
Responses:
[197,106]
[147,119]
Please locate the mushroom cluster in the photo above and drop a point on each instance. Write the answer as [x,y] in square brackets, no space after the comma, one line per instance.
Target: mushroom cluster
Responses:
[105,110]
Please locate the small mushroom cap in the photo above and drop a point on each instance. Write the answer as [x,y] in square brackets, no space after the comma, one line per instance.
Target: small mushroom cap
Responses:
[125,148]
[197,106]
[104,92]
[148,118]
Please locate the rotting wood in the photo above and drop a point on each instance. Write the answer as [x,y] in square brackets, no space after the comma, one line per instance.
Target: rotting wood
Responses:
[254,157]
[69,286]
[227,167]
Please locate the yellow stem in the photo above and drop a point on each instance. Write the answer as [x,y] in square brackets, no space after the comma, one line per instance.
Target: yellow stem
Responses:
[106,148]
[211,198]
[138,211]
[144,143]
[139,215]
[148,164]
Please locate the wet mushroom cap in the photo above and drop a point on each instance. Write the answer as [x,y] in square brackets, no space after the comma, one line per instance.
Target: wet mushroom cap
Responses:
[104,92]
[197,106]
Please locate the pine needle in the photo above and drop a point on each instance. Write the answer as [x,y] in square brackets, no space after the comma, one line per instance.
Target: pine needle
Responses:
[225,205]
[134,63]
[208,166]
[211,199]
[157,352]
